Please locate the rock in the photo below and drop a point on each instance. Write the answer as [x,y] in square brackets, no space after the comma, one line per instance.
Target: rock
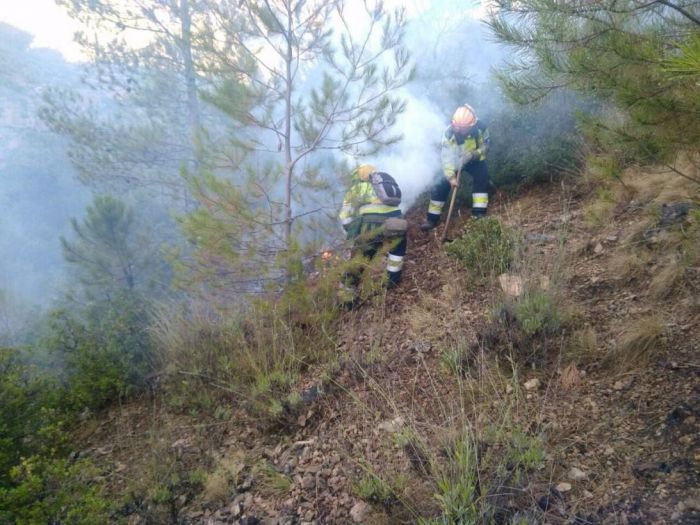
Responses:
[309,395]
[623,384]
[570,377]
[509,388]
[540,237]
[598,248]
[392,426]
[692,504]
[422,347]
[236,510]
[246,485]
[308,482]
[563,486]
[532,384]
[650,469]
[577,474]
[359,512]
[512,285]
[686,440]
[674,212]
[544,502]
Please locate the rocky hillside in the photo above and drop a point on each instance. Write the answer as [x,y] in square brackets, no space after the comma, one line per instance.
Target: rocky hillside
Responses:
[563,390]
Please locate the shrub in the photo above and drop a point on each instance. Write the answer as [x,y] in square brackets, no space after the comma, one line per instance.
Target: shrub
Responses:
[534,143]
[373,489]
[28,400]
[457,480]
[254,354]
[105,351]
[537,313]
[485,248]
[54,490]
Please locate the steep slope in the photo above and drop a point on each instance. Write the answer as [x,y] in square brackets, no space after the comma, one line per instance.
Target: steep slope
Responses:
[443,405]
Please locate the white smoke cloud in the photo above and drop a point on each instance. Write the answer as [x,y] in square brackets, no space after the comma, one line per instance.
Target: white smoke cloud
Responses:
[415,161]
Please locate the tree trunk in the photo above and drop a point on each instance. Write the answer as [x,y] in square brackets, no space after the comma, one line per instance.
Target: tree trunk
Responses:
[289,168]
[190,77]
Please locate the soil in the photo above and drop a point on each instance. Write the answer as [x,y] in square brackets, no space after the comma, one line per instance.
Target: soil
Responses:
[621,431]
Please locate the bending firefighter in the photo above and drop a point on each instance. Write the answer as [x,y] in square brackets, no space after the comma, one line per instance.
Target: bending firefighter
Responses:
[370,217]
[464,147]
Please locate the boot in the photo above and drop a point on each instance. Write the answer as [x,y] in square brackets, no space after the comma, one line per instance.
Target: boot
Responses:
[393,279]
[429,224]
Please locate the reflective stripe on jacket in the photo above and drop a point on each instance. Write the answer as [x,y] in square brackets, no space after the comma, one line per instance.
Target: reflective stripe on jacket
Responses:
[453,147]
[360,199]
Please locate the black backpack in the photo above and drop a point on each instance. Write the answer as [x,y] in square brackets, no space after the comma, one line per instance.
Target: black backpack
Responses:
[385,188]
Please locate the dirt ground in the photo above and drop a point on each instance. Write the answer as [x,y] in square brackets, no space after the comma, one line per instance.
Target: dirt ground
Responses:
[620,431]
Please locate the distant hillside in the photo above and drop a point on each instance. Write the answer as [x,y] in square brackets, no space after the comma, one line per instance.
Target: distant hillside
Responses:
[38,191]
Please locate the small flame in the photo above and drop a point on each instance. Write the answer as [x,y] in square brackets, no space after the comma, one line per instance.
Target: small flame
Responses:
[326,255]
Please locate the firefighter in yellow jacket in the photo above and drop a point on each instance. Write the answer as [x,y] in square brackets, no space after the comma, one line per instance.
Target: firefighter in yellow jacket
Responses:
[463,150]
[370,216]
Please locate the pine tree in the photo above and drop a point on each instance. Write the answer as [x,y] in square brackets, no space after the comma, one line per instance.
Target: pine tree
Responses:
[106,251]
[303,78]
[145,121]
[624,53]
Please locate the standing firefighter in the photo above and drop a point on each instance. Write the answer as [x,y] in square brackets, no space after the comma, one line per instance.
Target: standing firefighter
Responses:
[370,216]
[464,147]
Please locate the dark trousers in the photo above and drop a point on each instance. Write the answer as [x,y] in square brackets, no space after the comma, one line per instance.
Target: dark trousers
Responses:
[480,185]
[370,239]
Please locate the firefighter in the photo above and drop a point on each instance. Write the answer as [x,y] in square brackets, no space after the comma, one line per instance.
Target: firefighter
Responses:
[370,216]
[463,149]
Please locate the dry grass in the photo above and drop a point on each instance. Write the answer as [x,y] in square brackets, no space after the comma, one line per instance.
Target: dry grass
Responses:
[429,317]
[220,483]
[583,344]
[471,449]
[627,264]
[270,482]
[665,282]
[600,208]
[637,345]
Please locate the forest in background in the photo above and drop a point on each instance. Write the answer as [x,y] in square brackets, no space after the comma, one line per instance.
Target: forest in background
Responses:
[187,181]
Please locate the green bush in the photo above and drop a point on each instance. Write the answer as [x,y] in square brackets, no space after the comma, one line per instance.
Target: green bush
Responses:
[38,484]
[537,313]
[534,143]
[50,490]
[486,248]
[28,416]
[374,489]
[458,489]
[105,351]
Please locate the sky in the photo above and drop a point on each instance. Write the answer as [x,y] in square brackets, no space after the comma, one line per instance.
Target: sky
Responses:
[53,28]
[49,24]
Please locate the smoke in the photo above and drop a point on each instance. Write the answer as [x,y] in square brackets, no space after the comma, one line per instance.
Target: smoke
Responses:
[455,59]
[415,161]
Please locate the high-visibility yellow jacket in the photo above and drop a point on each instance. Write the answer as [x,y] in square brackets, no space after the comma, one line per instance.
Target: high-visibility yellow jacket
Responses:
[361,199]
[454,147]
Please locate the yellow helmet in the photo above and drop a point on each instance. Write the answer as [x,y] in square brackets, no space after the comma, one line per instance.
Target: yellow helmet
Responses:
[363,171]
[463,119]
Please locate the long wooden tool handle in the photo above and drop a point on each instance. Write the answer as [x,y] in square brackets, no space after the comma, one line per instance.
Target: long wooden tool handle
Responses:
[449,211]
